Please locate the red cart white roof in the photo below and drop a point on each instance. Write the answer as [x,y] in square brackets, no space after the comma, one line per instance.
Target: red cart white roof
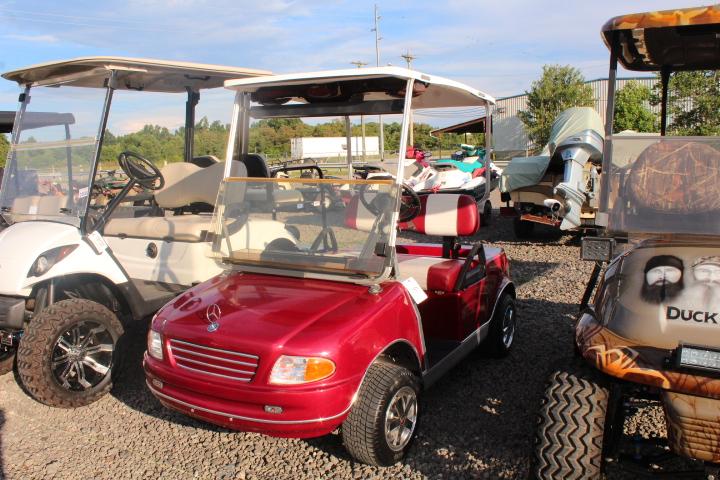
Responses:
[132,73]
[441,92]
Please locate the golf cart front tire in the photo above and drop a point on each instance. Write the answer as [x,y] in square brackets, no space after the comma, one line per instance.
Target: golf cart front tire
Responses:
[571,425]
[364,429]
[39,344]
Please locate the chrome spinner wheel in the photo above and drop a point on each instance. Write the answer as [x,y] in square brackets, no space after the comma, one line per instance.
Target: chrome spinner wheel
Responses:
[82,356]
[401,418]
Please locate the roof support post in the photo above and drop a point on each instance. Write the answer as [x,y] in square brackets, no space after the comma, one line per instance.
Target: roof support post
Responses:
[665,80]
[348,139]
[609,119]
[192,101]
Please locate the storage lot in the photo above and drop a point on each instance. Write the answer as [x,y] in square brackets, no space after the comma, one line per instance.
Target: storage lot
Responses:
[477,422]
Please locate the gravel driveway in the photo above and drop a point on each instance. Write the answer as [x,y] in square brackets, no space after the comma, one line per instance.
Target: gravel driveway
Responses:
[477,422]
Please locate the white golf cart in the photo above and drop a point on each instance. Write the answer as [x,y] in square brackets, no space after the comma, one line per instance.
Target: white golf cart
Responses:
[76,264]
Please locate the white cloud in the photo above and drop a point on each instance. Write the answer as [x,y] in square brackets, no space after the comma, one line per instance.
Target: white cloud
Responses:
[33,38]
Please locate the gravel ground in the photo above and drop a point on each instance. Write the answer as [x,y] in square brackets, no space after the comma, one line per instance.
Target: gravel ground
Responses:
[477,422]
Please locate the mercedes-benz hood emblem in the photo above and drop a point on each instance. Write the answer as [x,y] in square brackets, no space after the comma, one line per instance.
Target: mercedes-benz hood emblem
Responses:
[212,315]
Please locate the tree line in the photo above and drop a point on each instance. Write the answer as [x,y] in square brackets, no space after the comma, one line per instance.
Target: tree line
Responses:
[559,88]
[693,103]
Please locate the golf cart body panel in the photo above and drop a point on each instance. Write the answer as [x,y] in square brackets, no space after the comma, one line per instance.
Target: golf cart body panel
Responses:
[654,320]
[100,251]
[279,316]
[339,291]
[560,186]
[41,236]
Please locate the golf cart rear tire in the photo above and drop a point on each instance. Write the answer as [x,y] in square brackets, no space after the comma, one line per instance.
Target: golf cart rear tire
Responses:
[364,429]
[571,425]
[523,228]
[38,343]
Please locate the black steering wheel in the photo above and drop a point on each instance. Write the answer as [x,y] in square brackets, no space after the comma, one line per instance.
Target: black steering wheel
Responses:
[326,237]
[141,170]
[409,203]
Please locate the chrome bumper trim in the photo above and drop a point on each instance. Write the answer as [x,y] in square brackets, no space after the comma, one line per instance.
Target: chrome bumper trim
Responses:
[240,417]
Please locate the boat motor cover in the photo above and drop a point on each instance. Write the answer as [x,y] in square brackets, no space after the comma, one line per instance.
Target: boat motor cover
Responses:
[527,171]
[523,172]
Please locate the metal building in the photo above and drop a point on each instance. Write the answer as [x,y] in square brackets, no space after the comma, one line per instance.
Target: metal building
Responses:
[511,139]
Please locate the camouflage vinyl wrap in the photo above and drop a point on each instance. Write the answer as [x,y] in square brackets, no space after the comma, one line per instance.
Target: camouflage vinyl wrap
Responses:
[664,18]
[691,401]
[693,425]
[628,360]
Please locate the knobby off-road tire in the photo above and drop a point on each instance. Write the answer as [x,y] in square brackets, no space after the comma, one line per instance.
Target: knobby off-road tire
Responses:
[571,425]
[364,431]
[503,329]
[522,228]
[46,340]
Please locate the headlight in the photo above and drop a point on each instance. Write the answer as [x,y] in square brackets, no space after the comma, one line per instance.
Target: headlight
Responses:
[154,345]
[46,260]
[294,370]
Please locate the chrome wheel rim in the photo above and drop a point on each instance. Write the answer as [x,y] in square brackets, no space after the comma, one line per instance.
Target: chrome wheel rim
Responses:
[401,418]
[508,326]
[82,356]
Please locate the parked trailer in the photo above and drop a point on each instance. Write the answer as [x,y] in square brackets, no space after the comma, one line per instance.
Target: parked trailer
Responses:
[326,147]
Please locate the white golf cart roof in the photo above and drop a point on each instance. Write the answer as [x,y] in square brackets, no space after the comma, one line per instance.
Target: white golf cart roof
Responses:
[441,92]
[132,74]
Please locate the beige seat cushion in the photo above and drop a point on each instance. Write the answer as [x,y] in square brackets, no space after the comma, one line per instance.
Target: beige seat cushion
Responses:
[39,204]
[186,183]
[180,228]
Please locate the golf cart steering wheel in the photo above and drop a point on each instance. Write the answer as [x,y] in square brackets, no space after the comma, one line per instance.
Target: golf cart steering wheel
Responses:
[326,237]
[409,203]
[141,170]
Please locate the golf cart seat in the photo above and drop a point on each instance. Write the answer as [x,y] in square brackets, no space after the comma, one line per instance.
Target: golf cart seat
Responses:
[449,216]
[281,195]
[40,204]
[446,215]
[185,183]
[205,161]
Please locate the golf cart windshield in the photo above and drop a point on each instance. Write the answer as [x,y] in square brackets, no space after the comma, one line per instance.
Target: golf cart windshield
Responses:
[317,225]
[664,185]
[49,169]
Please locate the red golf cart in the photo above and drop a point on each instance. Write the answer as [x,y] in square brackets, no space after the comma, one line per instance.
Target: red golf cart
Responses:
[333,323]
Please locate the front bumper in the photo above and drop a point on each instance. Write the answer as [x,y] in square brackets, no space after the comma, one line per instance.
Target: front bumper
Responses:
[628,360]
[306,412]
[12,312]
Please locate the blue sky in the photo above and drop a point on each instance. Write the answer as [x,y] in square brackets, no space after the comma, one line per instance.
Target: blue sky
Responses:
[495,46]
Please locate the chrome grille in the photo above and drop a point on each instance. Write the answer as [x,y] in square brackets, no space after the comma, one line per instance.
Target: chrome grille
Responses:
[214,361]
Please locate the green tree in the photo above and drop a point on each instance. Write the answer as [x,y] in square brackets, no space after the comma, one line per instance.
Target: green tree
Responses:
[4,148]
[693,103]
[630,110]
[559,88]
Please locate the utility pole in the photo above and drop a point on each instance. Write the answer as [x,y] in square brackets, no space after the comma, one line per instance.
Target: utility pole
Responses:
[409,58]
[377,63]
[360,64]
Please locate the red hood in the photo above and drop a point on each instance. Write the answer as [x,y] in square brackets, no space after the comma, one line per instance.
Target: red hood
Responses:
[262,312]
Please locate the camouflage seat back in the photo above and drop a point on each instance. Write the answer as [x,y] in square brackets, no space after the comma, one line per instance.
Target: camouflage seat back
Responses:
[676,177]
